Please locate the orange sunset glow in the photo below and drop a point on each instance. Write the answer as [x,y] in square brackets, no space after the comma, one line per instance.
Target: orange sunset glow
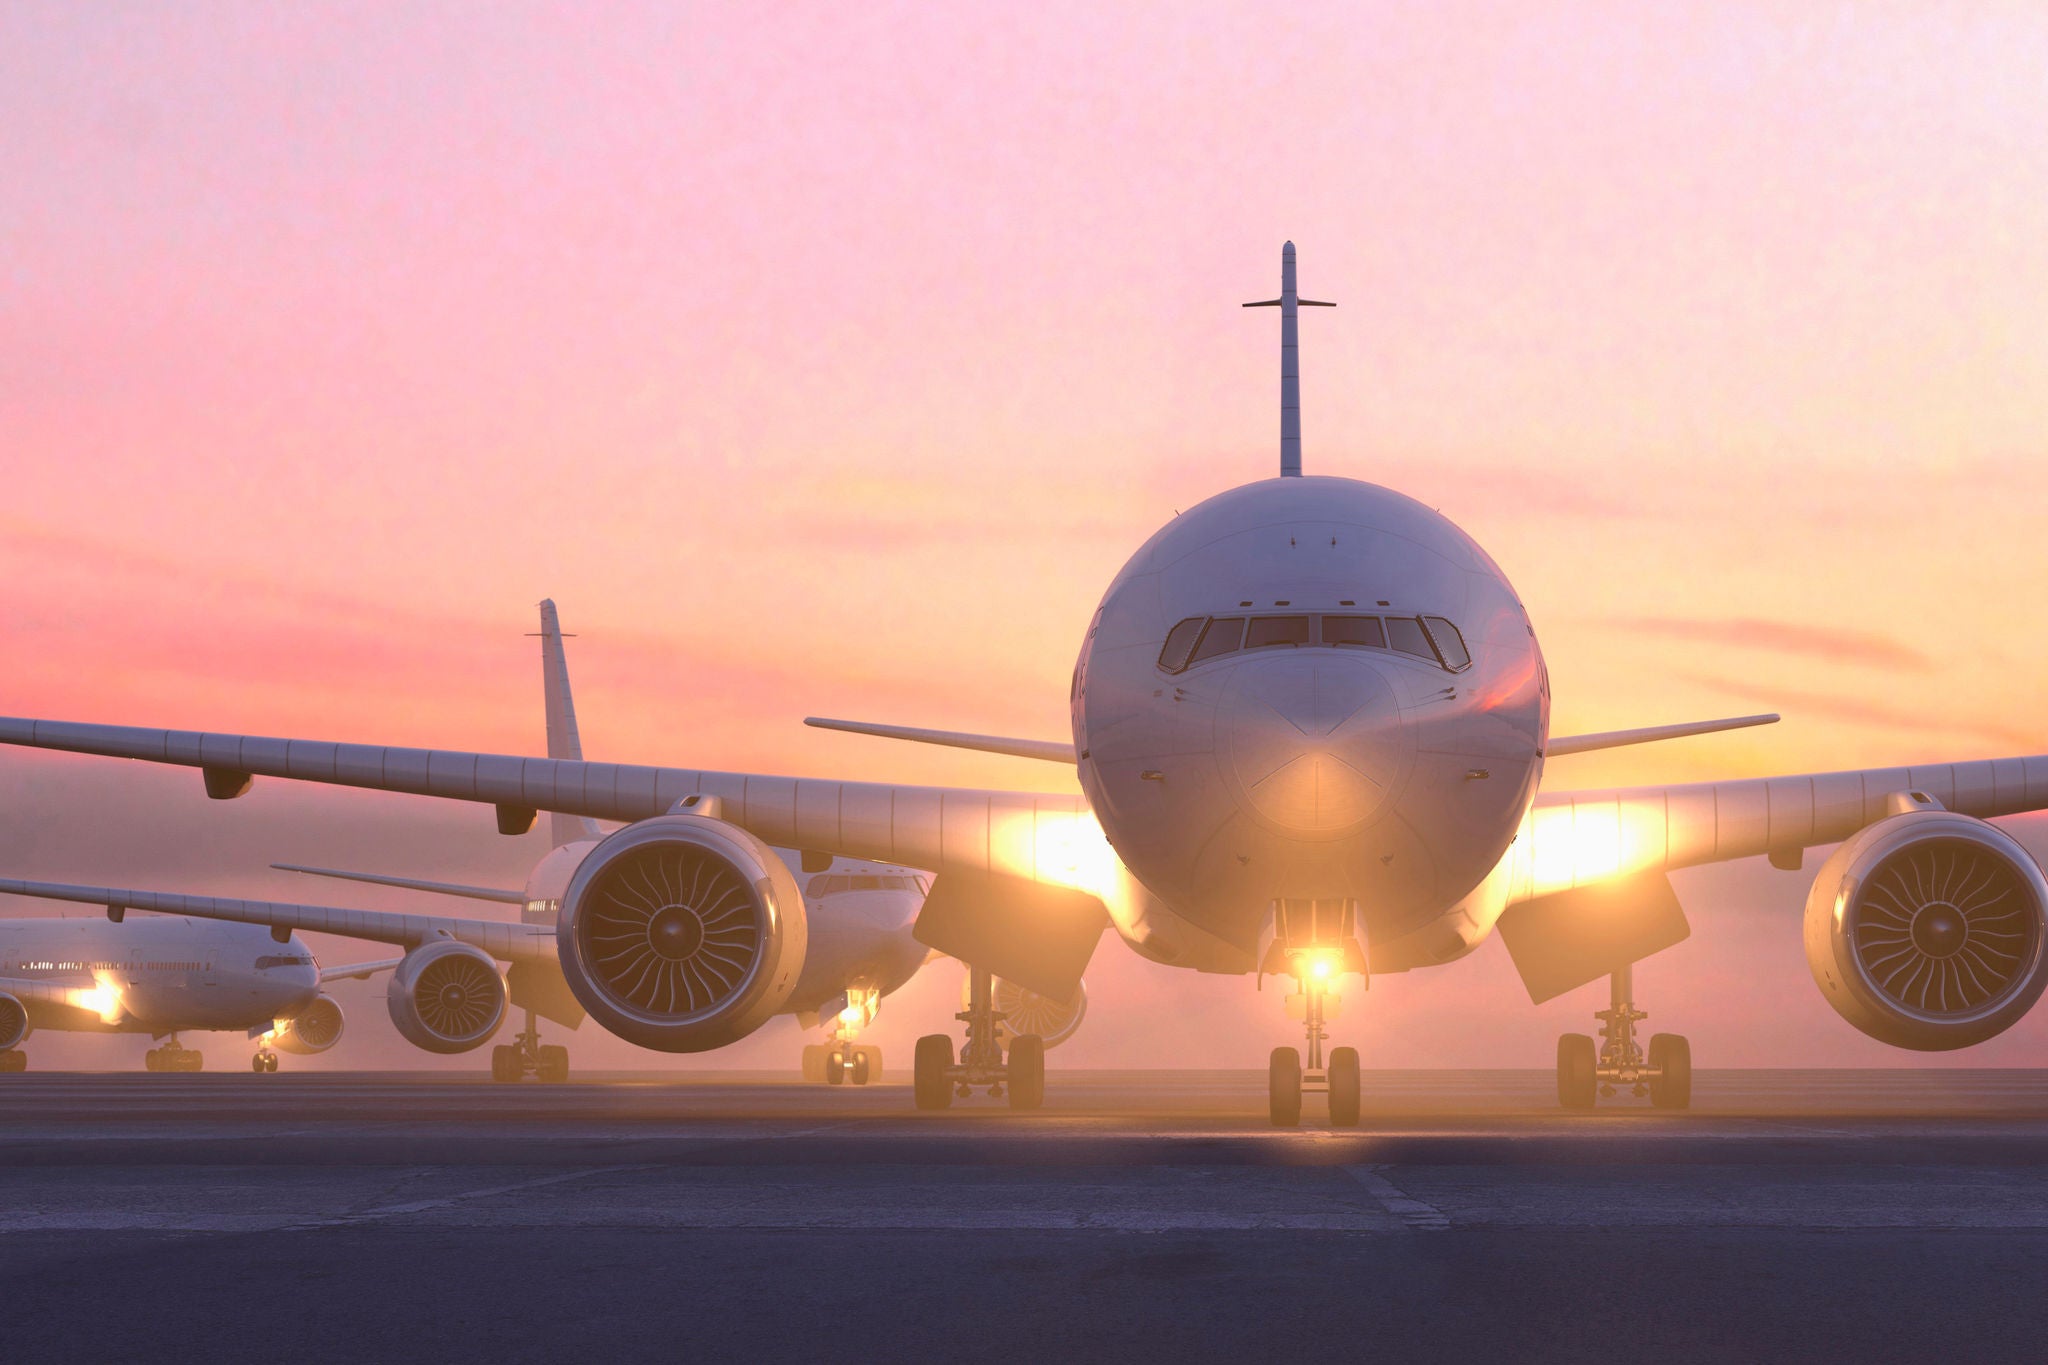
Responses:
[834,368]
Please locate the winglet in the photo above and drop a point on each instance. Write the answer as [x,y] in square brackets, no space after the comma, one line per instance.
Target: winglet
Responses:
[1615,739]
[1047,750]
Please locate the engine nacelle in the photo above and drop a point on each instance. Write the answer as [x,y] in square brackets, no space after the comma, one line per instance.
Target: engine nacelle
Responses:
[14,1025]
[1926,930]
[682,933]
[1026,1011]
[446,997]
[313,1029]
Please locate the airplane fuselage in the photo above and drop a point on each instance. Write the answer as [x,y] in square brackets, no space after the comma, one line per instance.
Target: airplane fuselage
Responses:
[167,973]
[1309,689]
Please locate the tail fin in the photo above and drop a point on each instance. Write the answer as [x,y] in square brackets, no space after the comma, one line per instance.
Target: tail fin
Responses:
[563,741]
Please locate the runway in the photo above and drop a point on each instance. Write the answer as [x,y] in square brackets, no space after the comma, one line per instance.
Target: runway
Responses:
[1826,1215]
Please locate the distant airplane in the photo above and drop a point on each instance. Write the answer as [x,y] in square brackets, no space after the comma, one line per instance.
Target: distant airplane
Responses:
[447,996]
[1310,720]
[164,977]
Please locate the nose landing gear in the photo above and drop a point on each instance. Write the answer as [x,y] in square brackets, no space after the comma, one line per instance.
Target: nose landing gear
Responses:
[839,1060]
[1586,1072]
[938,1077]
[264,1062]
[1316,943]
[526,1056]
[1287,1080]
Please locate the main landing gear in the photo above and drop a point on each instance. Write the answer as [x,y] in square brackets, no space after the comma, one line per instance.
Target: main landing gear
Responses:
[173,1057]
[839,1060]
[264,1062]
[13,1060]
[938,1077]
[526,1056]
[1586,1072]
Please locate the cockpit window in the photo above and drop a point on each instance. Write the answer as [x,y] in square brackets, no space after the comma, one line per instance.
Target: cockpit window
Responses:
[1180,642]
[1404,634]
[1199,639]
[1360,631]
[1266,631]
[1450,645]
[1225,635]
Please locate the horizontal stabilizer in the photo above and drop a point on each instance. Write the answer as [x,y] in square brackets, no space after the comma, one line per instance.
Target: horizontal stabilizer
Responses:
[475,893]
[1615,739]
[1050,750]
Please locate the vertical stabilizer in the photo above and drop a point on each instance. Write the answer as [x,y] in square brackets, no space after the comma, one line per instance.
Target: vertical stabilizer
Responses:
[1290,361]
[563,741]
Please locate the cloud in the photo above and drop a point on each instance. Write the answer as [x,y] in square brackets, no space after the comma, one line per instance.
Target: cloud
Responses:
[1785,637]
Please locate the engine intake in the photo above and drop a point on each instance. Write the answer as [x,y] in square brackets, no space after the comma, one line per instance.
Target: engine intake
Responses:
[1926,931]
[14,1025]
[446,997]
[682,933]
[313,1029]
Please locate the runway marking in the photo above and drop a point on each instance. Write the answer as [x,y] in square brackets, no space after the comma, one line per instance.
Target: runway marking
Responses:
[1411,1211]
[422,1205]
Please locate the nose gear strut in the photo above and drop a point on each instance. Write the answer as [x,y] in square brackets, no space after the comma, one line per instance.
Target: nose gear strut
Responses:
[1315,943]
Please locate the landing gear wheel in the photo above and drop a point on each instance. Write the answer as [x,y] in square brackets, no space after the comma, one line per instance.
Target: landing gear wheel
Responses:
[192,1060]
[835,1067]
[930,1084]
[1283,1087]
[1027,1071]
[552,1064]
[814,1063]
[1671,1055]
[1578,1063]
[153,1060]
[504,1063]
[860,1067]
[1344,1087]
[256,1064]
[12,1061]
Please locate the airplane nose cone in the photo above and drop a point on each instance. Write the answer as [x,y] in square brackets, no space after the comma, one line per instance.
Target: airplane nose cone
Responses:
[1312,743]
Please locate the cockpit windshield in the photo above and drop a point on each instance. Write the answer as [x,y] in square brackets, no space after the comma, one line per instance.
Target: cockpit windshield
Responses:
[1199,639]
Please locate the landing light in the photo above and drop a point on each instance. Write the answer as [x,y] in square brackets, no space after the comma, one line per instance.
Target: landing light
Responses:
[852,1016]
[102,998]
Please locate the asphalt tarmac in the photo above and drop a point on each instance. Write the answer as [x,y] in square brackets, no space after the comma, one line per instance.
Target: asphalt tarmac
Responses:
[1814,1216]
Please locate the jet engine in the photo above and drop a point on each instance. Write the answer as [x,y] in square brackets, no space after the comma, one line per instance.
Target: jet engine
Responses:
[1026,1011]
[682,933]
[14,1025]
[446,997]
[1925,930]
[313,1029]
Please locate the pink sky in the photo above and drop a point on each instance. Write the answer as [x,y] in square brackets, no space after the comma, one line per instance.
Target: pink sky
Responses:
[826,359]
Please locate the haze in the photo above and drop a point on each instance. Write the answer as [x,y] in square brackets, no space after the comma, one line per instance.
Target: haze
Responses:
[828,361]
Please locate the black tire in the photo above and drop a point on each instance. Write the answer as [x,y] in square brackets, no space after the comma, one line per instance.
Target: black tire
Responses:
[1578,1068]
[1344,1087]
[1027,1071]
[860,1067]
[1283,1088]
[930,1084]
[1672,1089]
[504,1063]
[835,1067]
[191,1059]
[552,1064]
[152,1060]
[256,1065]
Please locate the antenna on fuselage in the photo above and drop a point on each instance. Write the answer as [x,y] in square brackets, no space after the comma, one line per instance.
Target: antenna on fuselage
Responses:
[1290,362]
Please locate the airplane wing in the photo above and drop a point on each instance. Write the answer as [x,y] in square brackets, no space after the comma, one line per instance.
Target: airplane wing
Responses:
[1025,835]
[506,942]
[1581,838]
[358,971]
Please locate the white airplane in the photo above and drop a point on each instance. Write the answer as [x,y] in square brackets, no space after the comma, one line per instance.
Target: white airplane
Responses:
[1310,718]
[164,977]
[447,994]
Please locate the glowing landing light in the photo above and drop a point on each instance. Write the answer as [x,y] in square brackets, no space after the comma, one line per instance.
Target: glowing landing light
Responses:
[102,998]
[1071,851]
